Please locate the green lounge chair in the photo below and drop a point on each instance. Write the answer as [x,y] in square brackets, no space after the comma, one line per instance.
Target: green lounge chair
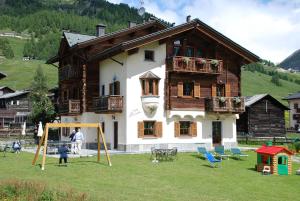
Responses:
[236,152]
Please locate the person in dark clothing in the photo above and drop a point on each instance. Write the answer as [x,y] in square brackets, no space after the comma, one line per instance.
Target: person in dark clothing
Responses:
[63,154]
[73,141]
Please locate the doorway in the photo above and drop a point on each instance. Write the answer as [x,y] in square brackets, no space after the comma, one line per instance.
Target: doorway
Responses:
[217,133]
[115,135]
[282,165]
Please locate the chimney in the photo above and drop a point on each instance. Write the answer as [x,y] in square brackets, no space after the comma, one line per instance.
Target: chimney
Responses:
[188,18]
[100,30]
[131,24]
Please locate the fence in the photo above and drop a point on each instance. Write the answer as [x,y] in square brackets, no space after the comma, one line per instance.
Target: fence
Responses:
[262,140]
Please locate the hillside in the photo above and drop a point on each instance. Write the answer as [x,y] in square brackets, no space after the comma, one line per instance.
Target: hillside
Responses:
[292,61]
[20,73]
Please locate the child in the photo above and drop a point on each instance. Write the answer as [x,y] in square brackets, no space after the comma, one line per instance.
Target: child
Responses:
[17,147]
[63,152]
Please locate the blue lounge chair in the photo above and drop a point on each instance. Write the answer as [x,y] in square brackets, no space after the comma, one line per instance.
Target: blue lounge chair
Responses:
[220,152]
[236,152]
[211,159]
[201,150]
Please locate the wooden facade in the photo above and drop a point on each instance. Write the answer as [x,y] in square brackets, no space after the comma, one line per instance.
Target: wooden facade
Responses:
[264,117]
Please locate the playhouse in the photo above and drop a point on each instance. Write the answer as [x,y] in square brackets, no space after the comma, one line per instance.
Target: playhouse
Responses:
[277,158]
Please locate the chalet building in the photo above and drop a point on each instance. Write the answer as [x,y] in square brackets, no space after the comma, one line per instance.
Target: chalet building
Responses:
[294,105]
[14,108]
[151,84]
[264,117]
[5,90]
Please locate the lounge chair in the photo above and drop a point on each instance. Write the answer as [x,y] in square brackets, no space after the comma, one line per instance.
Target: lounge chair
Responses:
[201,150]
[211,159]
[220,152]
[236,152]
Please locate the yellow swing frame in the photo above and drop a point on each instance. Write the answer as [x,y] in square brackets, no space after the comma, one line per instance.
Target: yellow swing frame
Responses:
[44,139]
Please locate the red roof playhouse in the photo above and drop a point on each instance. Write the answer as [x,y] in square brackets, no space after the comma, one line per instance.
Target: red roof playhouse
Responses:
[277,158]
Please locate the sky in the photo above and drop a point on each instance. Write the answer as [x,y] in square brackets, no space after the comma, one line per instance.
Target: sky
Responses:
[268,28]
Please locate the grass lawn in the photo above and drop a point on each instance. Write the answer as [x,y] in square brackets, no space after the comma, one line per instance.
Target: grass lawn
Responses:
[135,177]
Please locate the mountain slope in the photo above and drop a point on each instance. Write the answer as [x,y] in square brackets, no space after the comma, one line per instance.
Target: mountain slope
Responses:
[292,61]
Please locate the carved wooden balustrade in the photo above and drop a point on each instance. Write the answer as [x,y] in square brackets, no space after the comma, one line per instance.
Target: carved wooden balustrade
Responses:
[194,64]
[108,104]
[69,107]
[226,104]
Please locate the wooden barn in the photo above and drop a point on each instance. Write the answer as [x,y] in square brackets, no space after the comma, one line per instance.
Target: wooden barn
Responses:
[277,158]
[263,117]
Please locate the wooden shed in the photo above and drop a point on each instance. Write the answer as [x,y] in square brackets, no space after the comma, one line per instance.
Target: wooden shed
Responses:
[263,117]
[278,158]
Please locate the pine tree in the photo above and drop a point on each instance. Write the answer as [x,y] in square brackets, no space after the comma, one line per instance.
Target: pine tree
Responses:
[42,107]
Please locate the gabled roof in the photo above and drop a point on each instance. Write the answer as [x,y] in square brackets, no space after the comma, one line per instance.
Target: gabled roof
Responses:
[250,100]
[2,75]
[5,87]
[74,38]
[149,75]
[194,24]
[272,150]
[292,96]
[12,95]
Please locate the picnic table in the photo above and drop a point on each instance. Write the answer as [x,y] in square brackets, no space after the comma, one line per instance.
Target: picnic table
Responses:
[159,154]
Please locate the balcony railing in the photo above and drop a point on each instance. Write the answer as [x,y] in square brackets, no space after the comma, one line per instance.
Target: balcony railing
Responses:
[70,107]
[194,64]
[108,104]
[226,104]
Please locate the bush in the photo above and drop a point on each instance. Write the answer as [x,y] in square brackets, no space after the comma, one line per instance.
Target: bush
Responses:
[297,146]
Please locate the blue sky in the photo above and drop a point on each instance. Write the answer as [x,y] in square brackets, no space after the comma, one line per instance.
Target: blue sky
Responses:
[268,28]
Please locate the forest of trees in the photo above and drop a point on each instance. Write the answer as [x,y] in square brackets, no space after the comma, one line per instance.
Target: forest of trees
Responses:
[5,49]
[46,19]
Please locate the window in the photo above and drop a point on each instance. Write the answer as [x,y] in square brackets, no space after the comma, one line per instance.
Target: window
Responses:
[149,128]
[220,90]
[185,127]
[114,88]
[176,50]
[149,87]
[149,55]
[295,105]
[189,52]
[65,132]
[18,102]
[188,88]
[103,90]
[199,53]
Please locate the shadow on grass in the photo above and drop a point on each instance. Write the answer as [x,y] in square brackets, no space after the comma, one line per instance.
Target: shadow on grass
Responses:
[252,169]
[206,165]
[198,156]
[75,163]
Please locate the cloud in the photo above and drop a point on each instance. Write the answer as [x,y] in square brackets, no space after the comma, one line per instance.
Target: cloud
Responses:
[268,28]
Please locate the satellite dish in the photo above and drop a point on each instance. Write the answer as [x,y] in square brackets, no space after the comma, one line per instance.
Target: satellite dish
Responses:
[141,11]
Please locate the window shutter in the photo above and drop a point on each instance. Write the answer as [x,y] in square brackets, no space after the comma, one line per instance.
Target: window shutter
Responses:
[155,87]
[197,90]
[177,129]
[111,89]
[227,90]
[146,87]
[140,129]
[213,90]
[158,129]
[180,89]
[194,129]
[117,88]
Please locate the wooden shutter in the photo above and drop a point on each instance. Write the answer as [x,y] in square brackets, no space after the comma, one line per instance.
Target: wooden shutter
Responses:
[146,87]
[193,129]
[155,87]
[197,90]
[111,89]
[117,88]
[158,129]
[227,90]
[213,90]
[180,89]
[140,129]
[177,129]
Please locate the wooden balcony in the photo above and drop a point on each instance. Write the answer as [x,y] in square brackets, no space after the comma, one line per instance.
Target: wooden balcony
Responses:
[69,107]
[108,104]
[194,65]
[225,104]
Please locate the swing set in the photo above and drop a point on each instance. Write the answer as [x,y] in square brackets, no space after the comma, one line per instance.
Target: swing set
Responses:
[44,139]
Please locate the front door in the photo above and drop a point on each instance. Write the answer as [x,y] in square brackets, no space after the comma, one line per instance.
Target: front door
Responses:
[115,135]
[217,133]
[282,165]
